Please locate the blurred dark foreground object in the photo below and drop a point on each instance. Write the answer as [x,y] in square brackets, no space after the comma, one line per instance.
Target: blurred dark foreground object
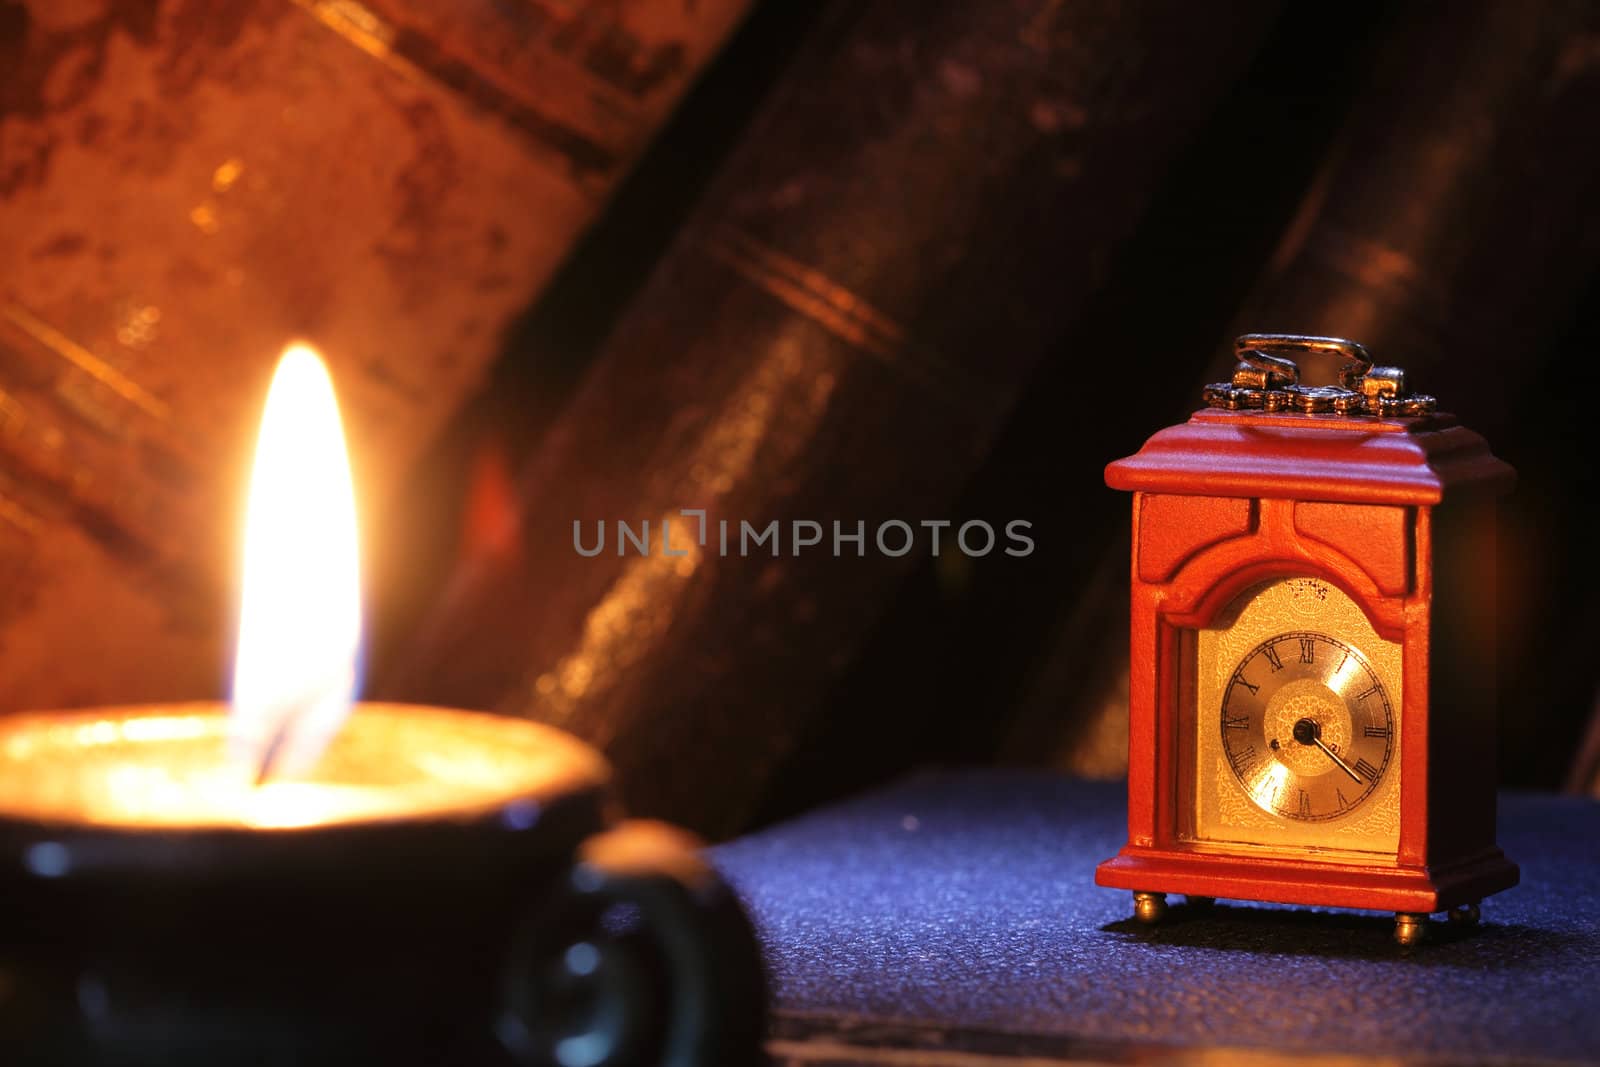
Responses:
[531,932]
[837,334]
[955,915]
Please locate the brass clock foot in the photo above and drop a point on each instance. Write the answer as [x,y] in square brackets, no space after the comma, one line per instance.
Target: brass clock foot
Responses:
[1409,927]
[1149,907]
[1465,914]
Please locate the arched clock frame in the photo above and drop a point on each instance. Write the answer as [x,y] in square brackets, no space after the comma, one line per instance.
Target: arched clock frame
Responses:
[1287,562]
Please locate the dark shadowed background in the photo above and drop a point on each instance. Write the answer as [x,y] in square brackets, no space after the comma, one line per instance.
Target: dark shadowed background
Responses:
[836,261]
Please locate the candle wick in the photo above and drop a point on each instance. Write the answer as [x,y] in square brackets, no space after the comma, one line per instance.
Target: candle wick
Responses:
[269,755]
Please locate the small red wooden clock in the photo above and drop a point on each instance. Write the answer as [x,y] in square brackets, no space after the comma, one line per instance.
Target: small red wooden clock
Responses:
[1311,702]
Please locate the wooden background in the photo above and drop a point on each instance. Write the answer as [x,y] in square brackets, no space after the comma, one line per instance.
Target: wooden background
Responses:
[856,261]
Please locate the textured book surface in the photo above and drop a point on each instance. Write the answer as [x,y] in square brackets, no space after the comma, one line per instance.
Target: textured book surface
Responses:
[1438,230]
[837,335]
[186,186]
[1452,231]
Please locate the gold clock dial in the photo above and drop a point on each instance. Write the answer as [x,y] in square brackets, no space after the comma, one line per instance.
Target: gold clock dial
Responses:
[1307,726]
[1235,789]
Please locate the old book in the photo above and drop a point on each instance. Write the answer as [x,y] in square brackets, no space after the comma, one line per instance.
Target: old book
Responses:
[1449,232]
[1460,164]
[917,215]
[184,187]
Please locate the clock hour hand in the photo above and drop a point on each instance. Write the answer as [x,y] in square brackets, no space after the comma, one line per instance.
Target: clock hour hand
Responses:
[1308,733]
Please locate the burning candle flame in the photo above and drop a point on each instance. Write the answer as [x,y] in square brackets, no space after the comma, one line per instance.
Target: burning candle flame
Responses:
[300,621]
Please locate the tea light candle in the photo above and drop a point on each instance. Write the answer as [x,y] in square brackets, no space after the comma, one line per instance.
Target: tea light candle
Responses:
[297,878]
[284,755]
[173,767]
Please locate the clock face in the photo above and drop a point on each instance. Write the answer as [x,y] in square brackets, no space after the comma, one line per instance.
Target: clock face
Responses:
[1289,734]
[1307,726]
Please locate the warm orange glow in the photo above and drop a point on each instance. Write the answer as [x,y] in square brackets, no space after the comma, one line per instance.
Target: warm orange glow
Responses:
[300,620]
[167,766]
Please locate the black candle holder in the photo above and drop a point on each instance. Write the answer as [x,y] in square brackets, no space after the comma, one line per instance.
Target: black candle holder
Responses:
[536,930]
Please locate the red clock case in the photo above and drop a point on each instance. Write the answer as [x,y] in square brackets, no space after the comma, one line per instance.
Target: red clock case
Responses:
[1399,513]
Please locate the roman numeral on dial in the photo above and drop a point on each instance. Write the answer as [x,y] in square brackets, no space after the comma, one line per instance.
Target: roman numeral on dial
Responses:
[1271,740]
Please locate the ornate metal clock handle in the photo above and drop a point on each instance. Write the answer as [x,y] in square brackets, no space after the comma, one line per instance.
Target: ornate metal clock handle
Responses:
[1267,377]
[1286,347]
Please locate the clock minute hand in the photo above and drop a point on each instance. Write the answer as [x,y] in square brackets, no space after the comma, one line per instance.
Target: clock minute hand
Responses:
[1343,766]
[1307,732]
